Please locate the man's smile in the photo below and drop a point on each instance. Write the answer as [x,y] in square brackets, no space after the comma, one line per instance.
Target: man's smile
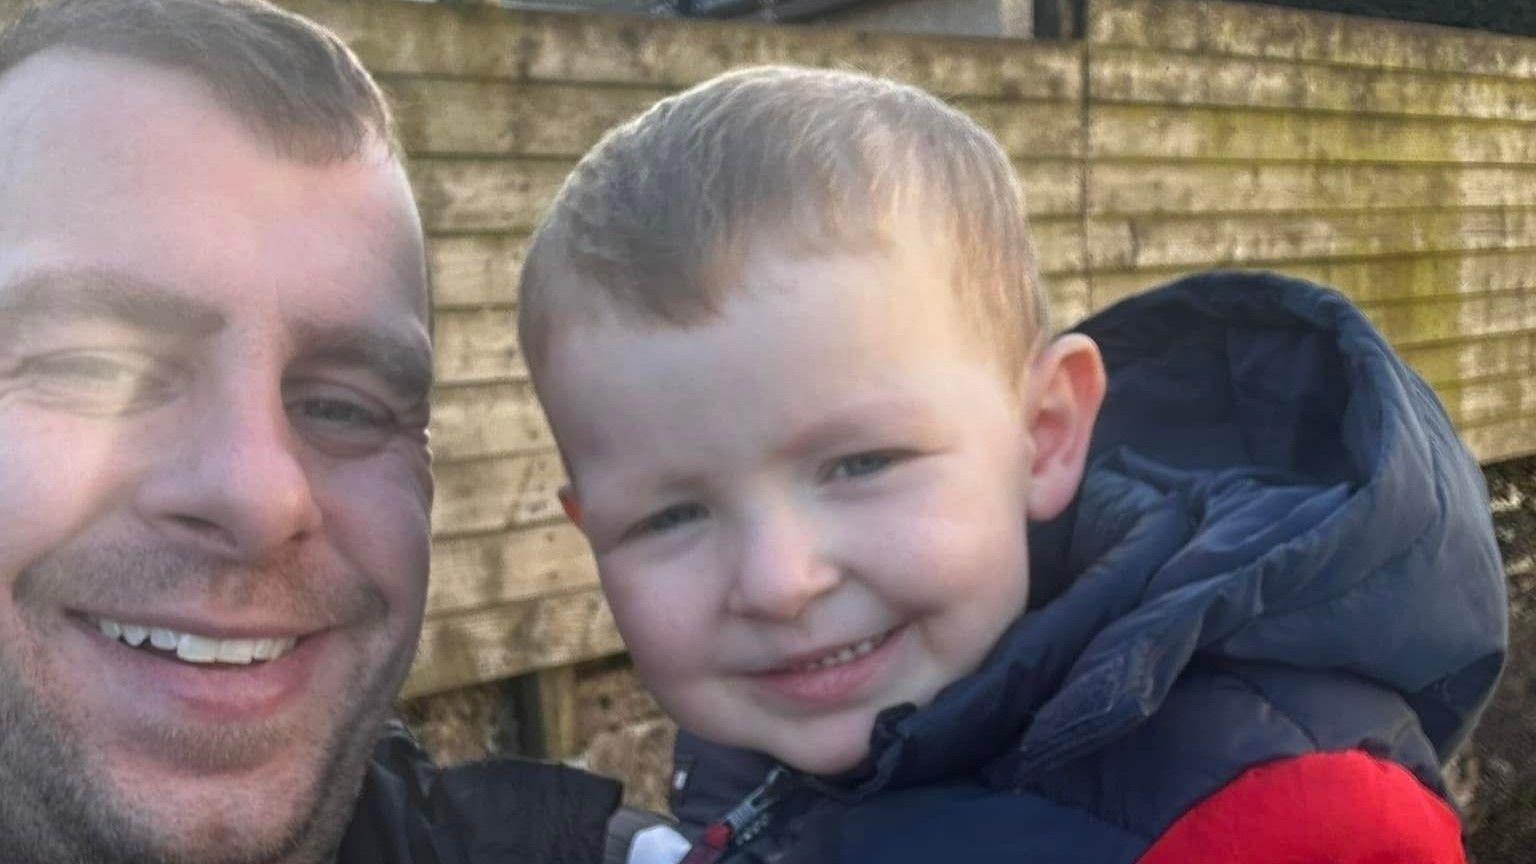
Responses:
[196,648]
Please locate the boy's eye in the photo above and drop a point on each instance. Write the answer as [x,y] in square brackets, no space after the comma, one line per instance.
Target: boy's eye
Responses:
[100,382]
[861,465]
[668,519]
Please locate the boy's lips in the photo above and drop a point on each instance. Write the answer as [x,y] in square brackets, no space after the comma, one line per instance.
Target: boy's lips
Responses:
[828,677]
[836,655]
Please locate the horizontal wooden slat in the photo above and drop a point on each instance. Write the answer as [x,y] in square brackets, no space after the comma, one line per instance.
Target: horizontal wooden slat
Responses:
[1159,132]
[1169,242]
[1051,187]
[1155,77]
[477,345]
[1474,357]
[1030,130]
[475,271]
[485,195]
[495,569]
[1506,439]
[1059,245]
[1364,280]
[487,420]
[1140,188]
[1437,319]
[496,494]
[470,41]
[1252,30]
[1068,297]
[496,642]
[1480,403]
[467,117]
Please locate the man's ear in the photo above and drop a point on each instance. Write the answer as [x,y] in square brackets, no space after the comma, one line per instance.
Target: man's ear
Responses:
[572,506]
[1062,399]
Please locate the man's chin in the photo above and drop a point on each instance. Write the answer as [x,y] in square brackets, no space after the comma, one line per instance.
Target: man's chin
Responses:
[278,795]
[277,810]
[261,796]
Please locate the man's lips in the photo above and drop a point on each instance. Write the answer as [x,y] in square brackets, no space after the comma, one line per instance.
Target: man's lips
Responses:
[203,677]
[198,648]
[195,641]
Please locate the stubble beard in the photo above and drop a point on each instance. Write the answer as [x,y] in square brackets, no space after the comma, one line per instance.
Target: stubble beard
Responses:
[59,806]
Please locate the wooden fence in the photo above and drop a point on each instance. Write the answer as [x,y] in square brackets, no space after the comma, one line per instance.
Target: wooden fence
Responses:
[1396,162]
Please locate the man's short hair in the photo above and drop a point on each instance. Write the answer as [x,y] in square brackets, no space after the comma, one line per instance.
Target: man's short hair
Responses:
[653,220]
[297,86]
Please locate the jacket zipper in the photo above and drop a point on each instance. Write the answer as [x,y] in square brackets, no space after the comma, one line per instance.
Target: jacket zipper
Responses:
[744,822]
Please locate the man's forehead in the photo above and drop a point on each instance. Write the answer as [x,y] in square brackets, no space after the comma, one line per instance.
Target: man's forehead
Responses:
[132,192]
[59,88]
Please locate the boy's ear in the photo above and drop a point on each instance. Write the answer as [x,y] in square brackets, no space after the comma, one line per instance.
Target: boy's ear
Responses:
[1064,392]
[572,506]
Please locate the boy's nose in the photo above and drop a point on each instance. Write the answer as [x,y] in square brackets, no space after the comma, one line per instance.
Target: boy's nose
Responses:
[780,569]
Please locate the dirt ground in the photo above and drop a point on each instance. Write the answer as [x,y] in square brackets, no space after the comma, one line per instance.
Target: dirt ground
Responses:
[1502,815]
[623,734]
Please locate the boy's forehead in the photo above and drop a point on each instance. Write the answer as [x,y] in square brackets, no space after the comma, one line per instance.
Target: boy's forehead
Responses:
[800,338]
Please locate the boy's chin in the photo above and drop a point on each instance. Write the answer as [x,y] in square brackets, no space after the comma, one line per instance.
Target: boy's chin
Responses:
[837,749]
[827,765]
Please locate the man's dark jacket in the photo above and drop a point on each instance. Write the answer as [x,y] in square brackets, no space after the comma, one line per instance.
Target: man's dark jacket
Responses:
[1280,548]
[492,812]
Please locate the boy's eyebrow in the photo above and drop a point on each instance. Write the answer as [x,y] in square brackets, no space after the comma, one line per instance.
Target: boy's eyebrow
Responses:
[105,295]
[851,420]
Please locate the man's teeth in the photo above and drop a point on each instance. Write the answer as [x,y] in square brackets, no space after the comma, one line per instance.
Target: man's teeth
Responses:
[846,654]
[198,649]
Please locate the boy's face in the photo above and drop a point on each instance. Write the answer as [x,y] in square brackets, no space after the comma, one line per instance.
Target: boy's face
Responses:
[806,510]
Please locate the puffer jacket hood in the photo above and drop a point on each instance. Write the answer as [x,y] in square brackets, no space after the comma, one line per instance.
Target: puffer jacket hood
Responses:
[1268,484]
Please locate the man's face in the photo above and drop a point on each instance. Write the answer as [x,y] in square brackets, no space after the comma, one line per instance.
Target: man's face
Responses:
[807,509]
[213,378]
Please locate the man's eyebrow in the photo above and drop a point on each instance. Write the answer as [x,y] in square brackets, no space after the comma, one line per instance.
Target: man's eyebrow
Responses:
[105,295]
[403,363]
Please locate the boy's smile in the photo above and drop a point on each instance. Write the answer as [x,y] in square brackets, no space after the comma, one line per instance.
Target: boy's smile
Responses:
[807,509]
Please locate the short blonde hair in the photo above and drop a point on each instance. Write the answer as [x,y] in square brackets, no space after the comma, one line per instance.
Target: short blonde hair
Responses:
[651,222]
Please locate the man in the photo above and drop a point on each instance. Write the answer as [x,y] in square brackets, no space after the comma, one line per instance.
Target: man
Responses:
[214,490]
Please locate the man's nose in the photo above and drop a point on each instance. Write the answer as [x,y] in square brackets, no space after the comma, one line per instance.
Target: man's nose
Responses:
[234,481]
[780,567]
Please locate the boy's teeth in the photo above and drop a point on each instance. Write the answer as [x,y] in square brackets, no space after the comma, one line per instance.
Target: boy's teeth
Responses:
[193,648]
[846,654]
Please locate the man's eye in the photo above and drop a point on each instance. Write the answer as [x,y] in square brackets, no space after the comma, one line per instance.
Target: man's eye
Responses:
[339,412]
[338,420]
[100,382]
[862,465]
[669,519]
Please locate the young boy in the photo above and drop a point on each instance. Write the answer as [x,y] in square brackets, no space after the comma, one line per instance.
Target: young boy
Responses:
[789,334]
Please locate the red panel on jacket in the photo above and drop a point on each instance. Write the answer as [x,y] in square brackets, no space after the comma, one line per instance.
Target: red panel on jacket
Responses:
[1324,808]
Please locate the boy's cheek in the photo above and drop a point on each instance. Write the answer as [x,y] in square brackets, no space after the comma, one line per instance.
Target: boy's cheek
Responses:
[657,615]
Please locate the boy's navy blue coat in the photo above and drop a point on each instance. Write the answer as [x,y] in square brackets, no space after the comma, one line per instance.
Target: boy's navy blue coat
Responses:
[1281,547]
